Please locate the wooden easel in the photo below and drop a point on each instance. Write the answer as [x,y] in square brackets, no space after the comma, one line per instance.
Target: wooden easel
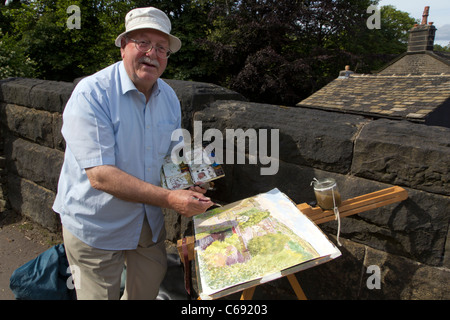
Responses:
[347,208]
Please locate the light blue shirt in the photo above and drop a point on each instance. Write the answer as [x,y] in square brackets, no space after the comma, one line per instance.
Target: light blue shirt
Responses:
[108,122]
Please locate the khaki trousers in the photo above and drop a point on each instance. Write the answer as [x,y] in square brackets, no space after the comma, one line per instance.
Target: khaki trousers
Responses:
[96,273]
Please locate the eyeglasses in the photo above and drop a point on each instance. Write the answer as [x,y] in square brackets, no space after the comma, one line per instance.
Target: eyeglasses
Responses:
[145,46]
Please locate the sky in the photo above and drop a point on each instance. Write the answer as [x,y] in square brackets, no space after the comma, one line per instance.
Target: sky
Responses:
[439,14]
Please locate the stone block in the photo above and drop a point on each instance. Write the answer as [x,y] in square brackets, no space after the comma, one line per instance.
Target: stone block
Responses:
[402,278]
[51,96]
[40,94]
[33,201]
[58,140]
[315,138]
[17,90]
[35,125]
[416,228]
[34,162]
[405,154]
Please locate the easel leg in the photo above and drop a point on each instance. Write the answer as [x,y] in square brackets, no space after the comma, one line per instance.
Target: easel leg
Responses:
[247,294]
[296,286]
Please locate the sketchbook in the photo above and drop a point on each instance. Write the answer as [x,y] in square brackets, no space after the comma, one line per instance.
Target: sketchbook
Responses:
[195,168]
[253,241]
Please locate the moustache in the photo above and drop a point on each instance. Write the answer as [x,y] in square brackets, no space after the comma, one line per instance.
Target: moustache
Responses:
[149,61]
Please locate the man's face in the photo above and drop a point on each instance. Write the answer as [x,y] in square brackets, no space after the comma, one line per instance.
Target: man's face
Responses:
[144,68]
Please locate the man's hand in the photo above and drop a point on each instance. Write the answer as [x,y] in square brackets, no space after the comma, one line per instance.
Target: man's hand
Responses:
[200,188]
[188,202]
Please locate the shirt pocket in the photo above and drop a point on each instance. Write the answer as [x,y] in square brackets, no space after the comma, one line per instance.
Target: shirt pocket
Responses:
[165,130]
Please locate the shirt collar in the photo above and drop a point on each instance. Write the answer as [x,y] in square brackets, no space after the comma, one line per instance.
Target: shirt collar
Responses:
[125,81]
[128,85]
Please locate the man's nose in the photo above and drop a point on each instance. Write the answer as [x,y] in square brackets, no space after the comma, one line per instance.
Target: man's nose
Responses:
[151,52]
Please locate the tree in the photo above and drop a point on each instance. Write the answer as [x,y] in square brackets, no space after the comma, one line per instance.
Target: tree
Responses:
[39,28]
[272,51]
[282,51]
[372,48]
[190,23]
[13,59]
[438,47]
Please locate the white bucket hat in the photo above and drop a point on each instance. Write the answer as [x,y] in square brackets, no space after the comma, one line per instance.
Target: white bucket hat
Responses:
[149,18]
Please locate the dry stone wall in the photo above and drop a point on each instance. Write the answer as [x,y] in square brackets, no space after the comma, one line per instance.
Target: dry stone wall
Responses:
[407,241]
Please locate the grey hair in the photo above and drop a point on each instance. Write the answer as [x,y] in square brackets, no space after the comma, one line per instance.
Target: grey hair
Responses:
[125,38]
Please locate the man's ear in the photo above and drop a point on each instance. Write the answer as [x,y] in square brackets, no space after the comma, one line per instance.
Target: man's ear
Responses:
[123,43]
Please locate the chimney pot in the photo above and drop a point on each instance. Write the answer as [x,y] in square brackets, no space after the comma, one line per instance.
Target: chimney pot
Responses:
[425,15]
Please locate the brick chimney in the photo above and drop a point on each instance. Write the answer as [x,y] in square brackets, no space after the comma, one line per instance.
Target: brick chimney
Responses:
[421,37]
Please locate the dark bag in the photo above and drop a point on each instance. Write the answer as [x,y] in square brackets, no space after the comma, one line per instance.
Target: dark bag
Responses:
[44,278]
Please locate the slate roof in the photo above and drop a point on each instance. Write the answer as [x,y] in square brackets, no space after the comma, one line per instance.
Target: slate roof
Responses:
[417,63]
[415,86]
[412,96]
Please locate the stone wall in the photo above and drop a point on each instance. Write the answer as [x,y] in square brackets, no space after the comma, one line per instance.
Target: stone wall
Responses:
[406,241]
[30,111]
[3,190]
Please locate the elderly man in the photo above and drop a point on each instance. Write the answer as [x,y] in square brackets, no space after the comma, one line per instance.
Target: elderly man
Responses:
[117,126]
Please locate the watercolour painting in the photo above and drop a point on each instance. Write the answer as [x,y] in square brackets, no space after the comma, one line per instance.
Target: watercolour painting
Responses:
[253,241]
